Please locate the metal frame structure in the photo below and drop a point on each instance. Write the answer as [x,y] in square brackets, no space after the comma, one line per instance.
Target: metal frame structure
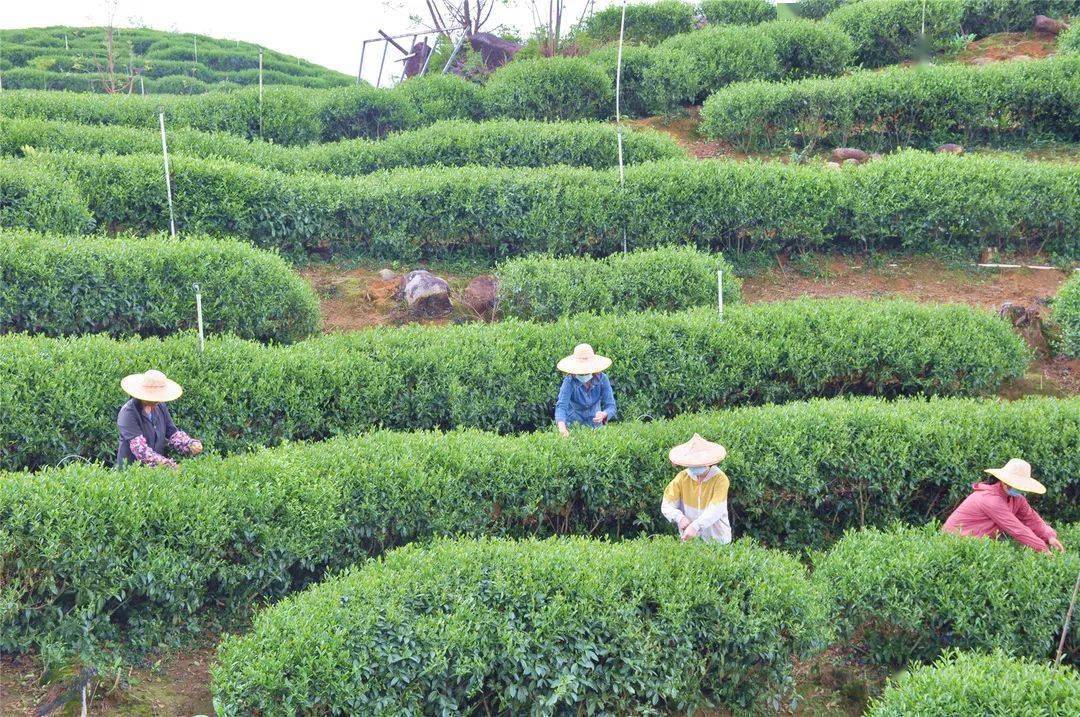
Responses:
[407,53]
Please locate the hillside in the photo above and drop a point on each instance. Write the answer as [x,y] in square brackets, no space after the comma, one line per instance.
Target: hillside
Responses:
[72,58]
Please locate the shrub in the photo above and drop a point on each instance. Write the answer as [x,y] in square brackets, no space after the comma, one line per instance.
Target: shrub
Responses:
[985,17]
[907,594]
[548,627]
[550,88]
[666,279]
[32,197]
[57,285]
[1069,41]
[438,97]
[491,213]
[1067,315]
[738,12]
[363,111]
[226,532]
[806,48]
[890,31]
[505,143]
[645,23]
[428,377]
[923,106]
[817,9]
[685,68]
[635,62]
[962,684]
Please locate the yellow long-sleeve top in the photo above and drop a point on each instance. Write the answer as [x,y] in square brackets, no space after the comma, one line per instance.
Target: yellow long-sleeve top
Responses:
[702,502]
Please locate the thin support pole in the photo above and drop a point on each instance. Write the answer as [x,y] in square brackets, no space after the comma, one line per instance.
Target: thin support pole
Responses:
[1068,618]
[385,49]
[618,115]
[168,178]
[720,292]
[260,94]
[198,317]
[431,51]
[457,48]
[142,86]
[195,38]
[360,72]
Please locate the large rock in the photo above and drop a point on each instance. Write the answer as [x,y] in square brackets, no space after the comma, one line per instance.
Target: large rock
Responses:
[415,64]
[950,148]
[494,50]
[841,154]
[1049,25]
[480,295]
[1028,321]
[426,294]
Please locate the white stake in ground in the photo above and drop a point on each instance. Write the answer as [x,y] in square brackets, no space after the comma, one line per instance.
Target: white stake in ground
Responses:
[198,317]
[618,113]
[260,95]
[720,292]
[168,178]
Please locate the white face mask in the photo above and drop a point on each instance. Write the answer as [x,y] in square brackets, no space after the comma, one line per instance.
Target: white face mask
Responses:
[699,472]
[584,377]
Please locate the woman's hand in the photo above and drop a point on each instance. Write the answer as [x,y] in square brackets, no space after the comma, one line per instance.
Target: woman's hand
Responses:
[196,448]
[1055,544]
[690,533]
[563,430]
[599,418]
[683,522]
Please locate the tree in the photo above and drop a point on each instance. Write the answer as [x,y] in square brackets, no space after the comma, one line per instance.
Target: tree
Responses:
[113,82]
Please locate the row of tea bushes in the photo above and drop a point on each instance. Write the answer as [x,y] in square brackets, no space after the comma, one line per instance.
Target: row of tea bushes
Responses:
[963,684]
[500,377]
[925,106]
[144,552]
[546,288]
[535,627]
[575,622]
[61,285]
[654,22]
[505,143]
[33,197]
[1067,315]
[909,201]
[907,594]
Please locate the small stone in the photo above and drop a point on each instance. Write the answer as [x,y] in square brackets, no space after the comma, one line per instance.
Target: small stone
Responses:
[981,61]
[950,148]
[851,161]
[427,295]
[875,155]
[480,295]
[387,274]
[841,154]
[832,165]
[1020,58]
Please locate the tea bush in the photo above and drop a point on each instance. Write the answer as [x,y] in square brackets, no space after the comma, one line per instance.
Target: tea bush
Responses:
[1067,315]
[645,22]
[57,285]
[1069,41]
[908,594]
[923,106]
[532,627]
[552,88]
[499,377]
[909,201]
[144,553]
[33,197]
[636,59]
[666,279]
[980,17]
[738,12]
[506,143]
[963,683]
[889,31]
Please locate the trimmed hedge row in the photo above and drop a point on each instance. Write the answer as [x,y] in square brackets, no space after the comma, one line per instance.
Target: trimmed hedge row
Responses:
[1067,315]
[961,684]
[536,627]
[61,285]
[909,201]
[684,69]
[545,288]
[34,197]
[738,12]
[645,22]
[425,377]
[908,594]
[1069,41]
[145,553]
[506,143]
[923,106]
[980,17]
[550,88]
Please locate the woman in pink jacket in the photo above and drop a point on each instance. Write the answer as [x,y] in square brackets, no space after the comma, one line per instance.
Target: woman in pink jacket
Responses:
[998,507]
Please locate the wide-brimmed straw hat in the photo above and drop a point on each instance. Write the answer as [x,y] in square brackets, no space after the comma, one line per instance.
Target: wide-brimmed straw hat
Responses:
[696,453]
[1017,474]
[584,360]
[151,386]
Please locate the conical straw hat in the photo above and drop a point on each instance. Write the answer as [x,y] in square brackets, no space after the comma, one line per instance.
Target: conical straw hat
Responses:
[584,360]
[151,386]
[1017,474]
[697,452]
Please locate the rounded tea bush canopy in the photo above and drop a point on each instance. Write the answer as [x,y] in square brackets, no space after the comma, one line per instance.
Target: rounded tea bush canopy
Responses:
[506,627]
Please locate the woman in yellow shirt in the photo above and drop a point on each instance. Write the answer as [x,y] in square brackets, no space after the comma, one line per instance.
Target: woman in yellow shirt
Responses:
[696,499]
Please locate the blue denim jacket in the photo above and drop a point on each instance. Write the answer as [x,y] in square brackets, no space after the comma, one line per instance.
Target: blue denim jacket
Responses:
[578,402]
